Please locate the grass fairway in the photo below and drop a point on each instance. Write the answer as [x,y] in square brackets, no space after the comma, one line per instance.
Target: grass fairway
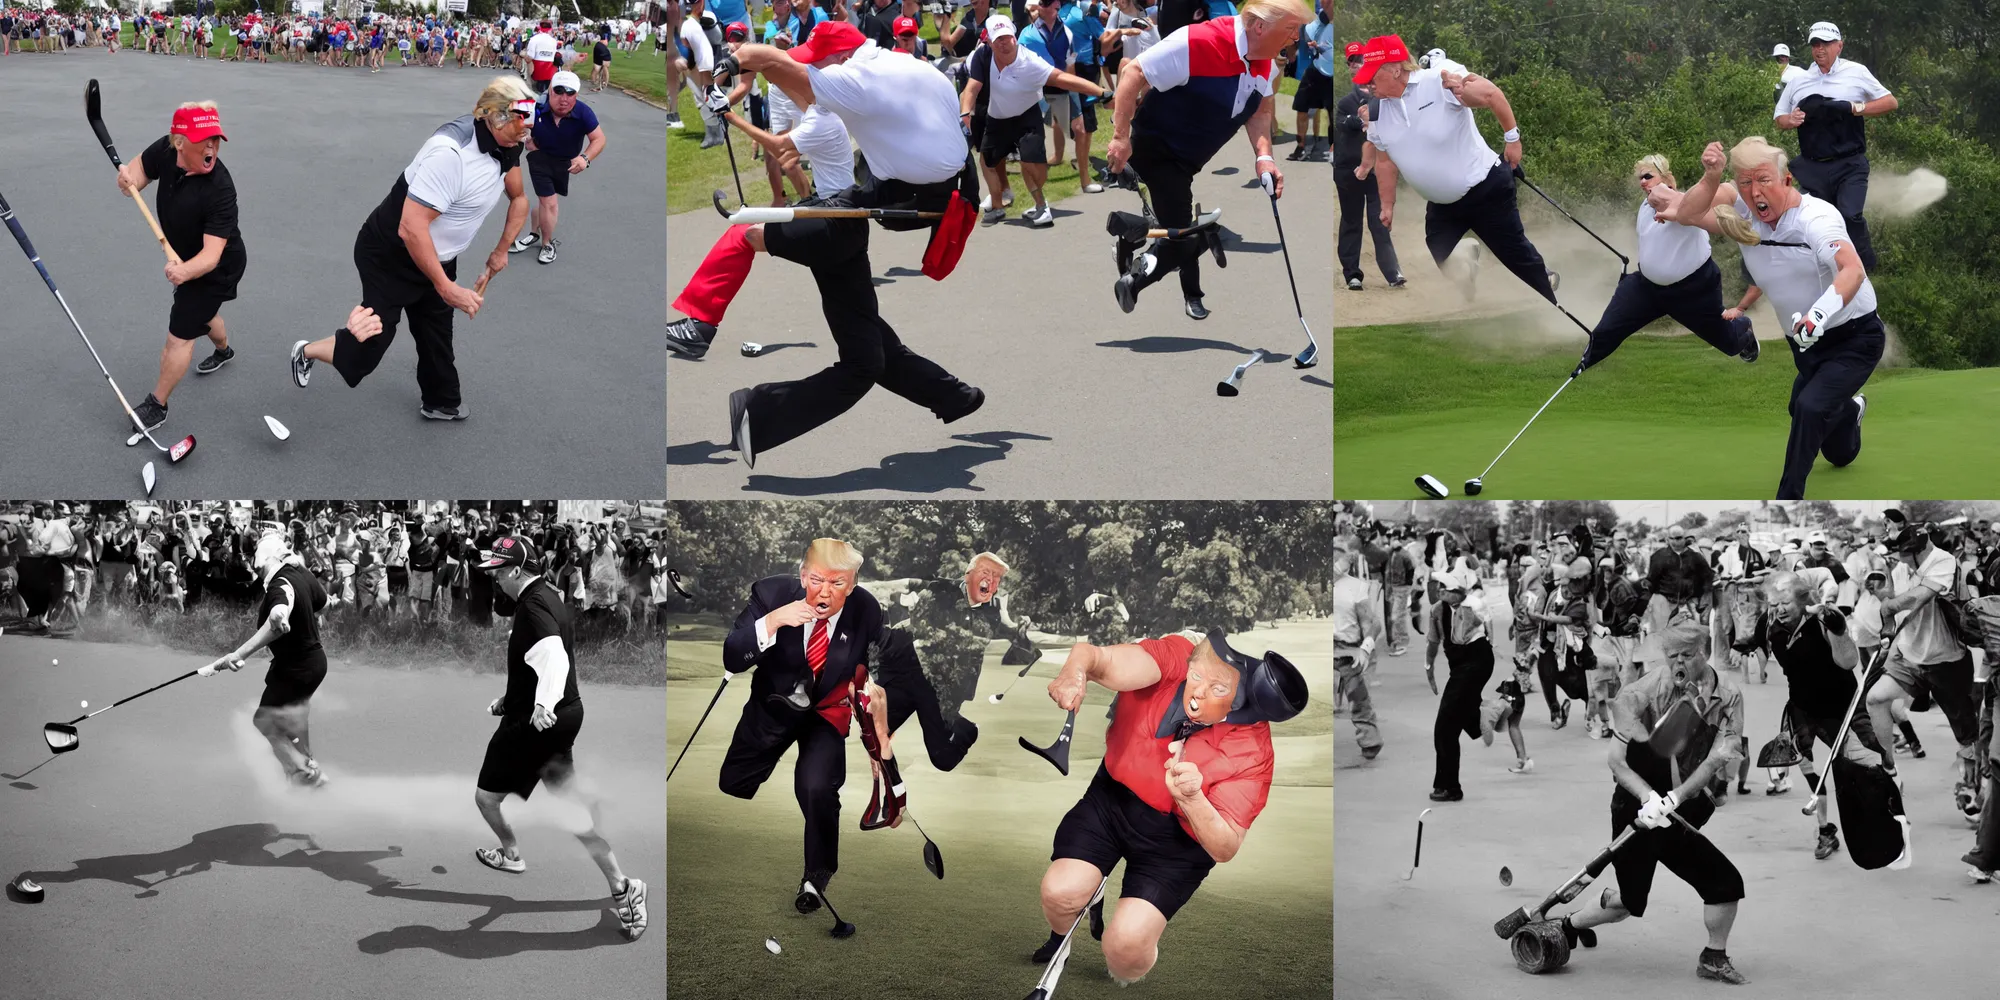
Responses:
[1664,418]
[1260,925]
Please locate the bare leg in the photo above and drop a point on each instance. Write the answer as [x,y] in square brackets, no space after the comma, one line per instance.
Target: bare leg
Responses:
[1718,918]
[547,217]
[1132,940]
[1519,740]
[174,358]
[593,842]
[272,723]
[1066,889]
[489,808]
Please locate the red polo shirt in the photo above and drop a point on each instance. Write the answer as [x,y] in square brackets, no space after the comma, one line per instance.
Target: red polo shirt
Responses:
[1235,760]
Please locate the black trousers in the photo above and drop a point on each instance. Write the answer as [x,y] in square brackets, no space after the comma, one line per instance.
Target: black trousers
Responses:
[392,286]
[1362,200]
[870,352]
[762,737]
[1694,302]
[1825,418]
[1488,211]
[911,693]
[1170,184]
[1844,182]
[1471,666]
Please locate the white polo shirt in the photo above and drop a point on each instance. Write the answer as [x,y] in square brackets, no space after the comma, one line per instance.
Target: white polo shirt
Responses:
[900,111]
[1014,88]
[1847,81]
[1669,251]
[821,138]
[452,176]
[1432,138]
[1793,277]
[700,56]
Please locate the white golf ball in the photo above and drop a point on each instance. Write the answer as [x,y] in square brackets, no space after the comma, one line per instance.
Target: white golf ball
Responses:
[55,663]
[771,945]
[86,704]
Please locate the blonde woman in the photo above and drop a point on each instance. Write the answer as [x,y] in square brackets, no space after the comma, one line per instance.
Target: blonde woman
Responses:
[407,252]
[1798,251]
[1677,277]
[196,206]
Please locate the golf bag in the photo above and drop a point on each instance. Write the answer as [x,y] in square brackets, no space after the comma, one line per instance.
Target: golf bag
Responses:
[1783,750]
[1871,813]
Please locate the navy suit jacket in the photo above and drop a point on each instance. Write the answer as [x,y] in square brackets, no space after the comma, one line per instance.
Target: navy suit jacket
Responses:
[782,666]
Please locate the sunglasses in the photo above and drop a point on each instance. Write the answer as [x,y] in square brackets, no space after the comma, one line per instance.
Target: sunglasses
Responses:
[522,115]
[1646,177]
[565,91]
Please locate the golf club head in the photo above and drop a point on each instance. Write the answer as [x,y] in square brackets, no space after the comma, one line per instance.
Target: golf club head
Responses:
[1232,385]
[1473,486]
[137,436]
[61,738]
[681,586]
[1433,487]
[180,449]
[93,102]
[1308,357]
[842,929]
[1039,994]
[1506,875]
[721,203]
[1056,753]
[278,430]
[751,349]
[994,699]
[146,476]
[933,858]
[1506,926]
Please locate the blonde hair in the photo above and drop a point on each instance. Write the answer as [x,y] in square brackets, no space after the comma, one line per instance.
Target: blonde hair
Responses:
[500,95]
[989,557]
[833,554]
[1657,163]
[1273,11]
[1755,151]
[180,141]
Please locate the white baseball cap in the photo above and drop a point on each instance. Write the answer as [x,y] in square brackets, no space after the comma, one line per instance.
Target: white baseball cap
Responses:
[997,26]
[566,80]
[1781,49]
[1823,31]
[1816,538]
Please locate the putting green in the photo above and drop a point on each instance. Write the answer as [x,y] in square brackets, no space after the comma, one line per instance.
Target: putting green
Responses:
[1664,418]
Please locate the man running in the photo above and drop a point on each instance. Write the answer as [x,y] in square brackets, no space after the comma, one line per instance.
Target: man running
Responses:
[1357,629]
[952,623]
[197,212]
[1460,629]
[407,251]
[1187,769]
[903,115]
[1828,105]
[287,622]
[566,140]
[1927,660]
[540,717]
[1178,104]
[1017,78]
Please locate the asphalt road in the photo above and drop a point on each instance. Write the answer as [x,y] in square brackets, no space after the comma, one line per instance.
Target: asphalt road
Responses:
[1259,926]
[176,867]
[1806,929]
[1082,400]
[561,370]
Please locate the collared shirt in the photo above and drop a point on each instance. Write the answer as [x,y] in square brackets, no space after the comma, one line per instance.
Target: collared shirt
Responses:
[765,640]
[1354,611]
[1718,703]
[901,112]
[1793,277]
[1846,81]
[1432,137]
[460,172]
[1669,251]
[1922,638]
[1682,576]
[1235,760]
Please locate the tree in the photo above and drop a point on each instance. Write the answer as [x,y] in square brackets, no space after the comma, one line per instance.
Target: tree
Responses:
[1819,513]
[1692,520]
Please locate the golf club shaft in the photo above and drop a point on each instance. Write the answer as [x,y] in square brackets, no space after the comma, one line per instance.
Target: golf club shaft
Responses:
[1565,213]
[1061,957]
[726,675]
[1312,349]
[141,694]
[1524,427]
[93,111]
[724,122]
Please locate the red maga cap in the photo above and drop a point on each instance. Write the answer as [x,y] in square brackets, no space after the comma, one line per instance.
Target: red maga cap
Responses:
[737,30]
[905,26]
[829,38]
[1380,51]
[1354,49]
[198,124]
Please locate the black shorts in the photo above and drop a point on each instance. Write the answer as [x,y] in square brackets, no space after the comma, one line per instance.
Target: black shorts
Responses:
[1807,727]
[1689,855]
[519,756]
[399,579]
[293,682]
[1163,865]
[548,175]
[195,303]
[1947,684]
[1019,134]
[1315,92]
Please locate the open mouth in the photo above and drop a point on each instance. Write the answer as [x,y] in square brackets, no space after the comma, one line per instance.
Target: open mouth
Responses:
[1763,208]
[985,587]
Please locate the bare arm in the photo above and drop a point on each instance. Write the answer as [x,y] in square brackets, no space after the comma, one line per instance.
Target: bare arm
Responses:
[777,65]
[1475,91]
[1880,106]
[1216,834]
[1070,82]
[205,261]
[415,230]
[1120,668]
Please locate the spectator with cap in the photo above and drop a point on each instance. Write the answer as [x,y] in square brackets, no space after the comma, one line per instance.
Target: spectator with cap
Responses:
[908,41]
[1468,188]
[541,51]
[566,140]
[1828,105]
[1786,71]
[1046,36]
[1359,200]
[1315,91]
[1017,78]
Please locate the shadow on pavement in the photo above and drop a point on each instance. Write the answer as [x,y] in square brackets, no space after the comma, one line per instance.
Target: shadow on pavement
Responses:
[1316,380]
[948,468]
[701,453]
[245,846]
[1173,345]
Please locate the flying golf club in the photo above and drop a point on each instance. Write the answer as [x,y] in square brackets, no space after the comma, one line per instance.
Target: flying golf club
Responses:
[1046,987]
[62,737]
[995,699]
[840,928]
[1056,753]
[1436,489]
[1234,383]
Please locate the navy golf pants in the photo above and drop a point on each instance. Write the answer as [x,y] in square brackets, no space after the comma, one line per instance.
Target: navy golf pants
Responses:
[1694,302]
[1844,182]
[1488,211]
[1825,419]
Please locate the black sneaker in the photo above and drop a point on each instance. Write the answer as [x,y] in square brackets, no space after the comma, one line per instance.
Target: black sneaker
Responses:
[689,338]
[1298,152]
[215,359]
[302,366]
[1195,310]
[739,426]
[1447,795]
[1717,967]
[1575,935]
[1829,842]
[528,239]
[151,412]
[805,902]
[445,413]
[1047,952]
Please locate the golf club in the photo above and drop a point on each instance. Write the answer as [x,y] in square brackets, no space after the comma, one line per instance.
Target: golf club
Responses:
[1623,262]
[1432,487]
[933,858]
[731,146]
[1310,356]
[1417,858]
[62,736]
[278,430]
[1234,383]
[182,447]
[755,214]
[1473,487]
[719,688]
[1046,987]
[680,586]
[1056,753]
[93,111]
[841,928]
[995,700]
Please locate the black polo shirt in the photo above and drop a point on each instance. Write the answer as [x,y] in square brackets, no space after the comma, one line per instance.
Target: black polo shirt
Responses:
[194,206]
[539,614]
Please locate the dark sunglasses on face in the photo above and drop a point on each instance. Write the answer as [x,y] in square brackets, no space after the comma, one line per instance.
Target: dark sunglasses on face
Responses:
[1645,177]
[563,90]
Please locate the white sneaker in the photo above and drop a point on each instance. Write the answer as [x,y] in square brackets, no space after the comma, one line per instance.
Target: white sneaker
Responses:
[1040,217]
[1523,767]
[1007,198]
[1093,188]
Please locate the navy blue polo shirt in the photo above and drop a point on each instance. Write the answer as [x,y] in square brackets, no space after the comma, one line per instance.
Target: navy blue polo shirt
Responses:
[563,140]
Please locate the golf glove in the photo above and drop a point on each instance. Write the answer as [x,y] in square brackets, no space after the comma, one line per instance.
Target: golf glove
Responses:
[1654,814]
[1270,184]
[716,100]
[1807,329]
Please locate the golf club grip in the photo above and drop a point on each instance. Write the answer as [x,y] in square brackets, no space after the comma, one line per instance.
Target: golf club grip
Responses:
[27,246]
[104,137]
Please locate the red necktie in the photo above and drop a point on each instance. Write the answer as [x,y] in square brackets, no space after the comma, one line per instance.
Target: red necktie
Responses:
[816,646]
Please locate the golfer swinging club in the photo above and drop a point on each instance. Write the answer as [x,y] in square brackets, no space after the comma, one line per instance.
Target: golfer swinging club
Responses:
[1187,768]
[407,251]
[1797,250]
[1427,137]
[903,114]
[1200,86]
[288,622]
[540,717]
